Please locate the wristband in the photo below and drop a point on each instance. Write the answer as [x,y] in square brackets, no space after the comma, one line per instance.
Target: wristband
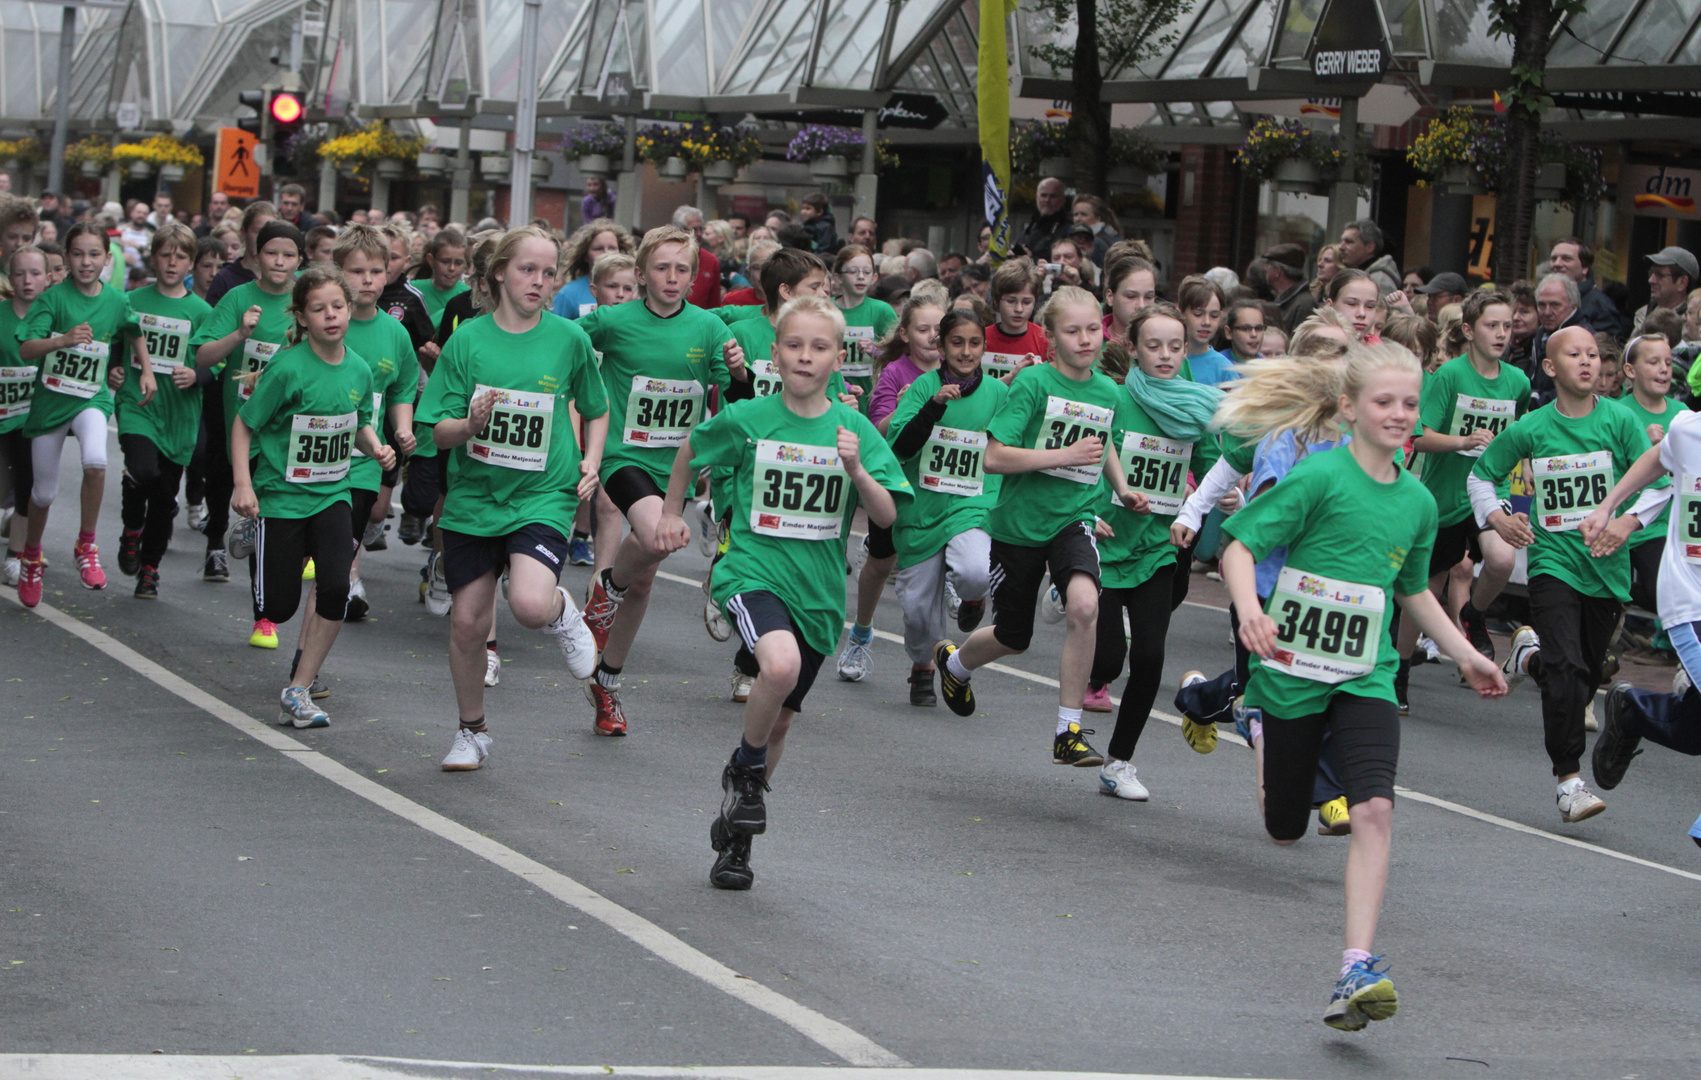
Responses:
[1506,507]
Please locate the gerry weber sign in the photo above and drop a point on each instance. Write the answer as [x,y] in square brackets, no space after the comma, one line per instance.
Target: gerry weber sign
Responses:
[1350,44]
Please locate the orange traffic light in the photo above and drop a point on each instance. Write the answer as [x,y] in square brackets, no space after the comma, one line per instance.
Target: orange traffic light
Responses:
[286,108]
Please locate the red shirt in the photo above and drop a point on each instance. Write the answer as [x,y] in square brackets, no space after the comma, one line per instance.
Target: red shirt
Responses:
[1002,350]
[744,297]
[706,290]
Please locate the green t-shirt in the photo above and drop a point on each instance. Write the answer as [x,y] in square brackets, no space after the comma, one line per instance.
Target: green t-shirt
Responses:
[17,379]
[385,346]
[1574,462]
[1457,400]
[270,337]
[868,322]
[71,380]
[658,373]
[792,505]
[737,313]
[1046,410]
[172,420]
[1156,466]
[523,468]
[1238,452]
[953,491]
[305,414]
[1353,544]
[1643,418]
[436,300]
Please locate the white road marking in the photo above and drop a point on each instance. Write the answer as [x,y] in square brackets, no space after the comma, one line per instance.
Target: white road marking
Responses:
[1415,796]
[841,1040]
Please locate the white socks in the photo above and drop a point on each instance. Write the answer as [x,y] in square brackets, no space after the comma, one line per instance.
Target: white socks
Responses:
[1065,717]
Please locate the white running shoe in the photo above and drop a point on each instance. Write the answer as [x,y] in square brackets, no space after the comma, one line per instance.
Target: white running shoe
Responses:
[953,602]
[1051,606]
[856,661]
[358,605]
[1591,718]
[574,637]
[492,668]
[197,517]
[296,707]
[1432,651]
[741,684]
[714,621]
[1680,683]
[1579,804]
[703,528]
[438,599]
[468,752]
[14,569]
[1119,778]
[1525,644]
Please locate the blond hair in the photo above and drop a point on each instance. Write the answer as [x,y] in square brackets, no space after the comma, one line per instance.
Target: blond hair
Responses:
[370,241]
[1309,339]
[478,261]
[655,238]
[1303,395]
[1061,298]
[506,247]
[173,234]
[612,263]
[889,348]
[811,305]
[314,277]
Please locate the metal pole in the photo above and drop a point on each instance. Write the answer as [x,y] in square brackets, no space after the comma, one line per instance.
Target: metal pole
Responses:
[460,196]
[630,188]
[62,106]
[525,120]
[1343,197]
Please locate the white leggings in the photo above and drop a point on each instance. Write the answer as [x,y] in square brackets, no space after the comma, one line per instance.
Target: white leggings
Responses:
[89,426]
[967,558]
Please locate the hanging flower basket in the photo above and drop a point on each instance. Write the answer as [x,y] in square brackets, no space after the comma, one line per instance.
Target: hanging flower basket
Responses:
[716,173]
[429,163]
[596,166]
[372,148]
[1063,168]
[140,170]
[829,168]
[1550,181]
[541,168]
[591,146]
[1298,176]
[389,168]
[1125,179]
[674,169]
[91,169]
[140,159]
[1463,180]
[815,142]
[495,165]
[171,174]
[91,156]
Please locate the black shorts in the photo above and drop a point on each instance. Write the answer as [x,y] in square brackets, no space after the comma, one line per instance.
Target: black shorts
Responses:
[1453,542]
[361,511]
[1365,733]
[1017,572]
[629,484]
[761,612]
[467,558]
[880,544]
[282,545]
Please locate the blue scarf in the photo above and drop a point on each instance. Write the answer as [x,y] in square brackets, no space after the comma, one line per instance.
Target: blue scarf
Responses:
[1181,407]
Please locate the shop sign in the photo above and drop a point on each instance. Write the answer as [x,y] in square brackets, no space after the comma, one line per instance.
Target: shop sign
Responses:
[1350,44]
[1659,190]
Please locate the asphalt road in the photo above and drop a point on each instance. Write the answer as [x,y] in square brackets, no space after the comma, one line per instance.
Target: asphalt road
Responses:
[932,891]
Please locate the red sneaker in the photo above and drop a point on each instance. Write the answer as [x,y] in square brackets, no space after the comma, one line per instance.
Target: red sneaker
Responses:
[611,719]
[1097,700]
[600,610]
[87,557]
[29,581]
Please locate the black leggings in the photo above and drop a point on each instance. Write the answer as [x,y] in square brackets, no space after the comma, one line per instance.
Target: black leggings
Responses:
[1365,733]
[148,495]
[423,484]
[1148,610]
[1645,573]
[280,549]
[220,483]
[15,450]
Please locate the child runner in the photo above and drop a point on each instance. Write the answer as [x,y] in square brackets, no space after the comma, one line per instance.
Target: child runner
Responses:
[916,334]
[802,462]
[307,410]
[498,405]
[614,280]
[69,334]
[1160,435]
[248,326]
[209,256]
[1357,527]
[867,320]
[27,272]
[1048,441]
[1647,371]
[1201,303]
[1577,449]
[597,239]
[1242,337]
[1130,288]
[1467,404]
[1352,293]
[938,432]
[443,267]
[660,357]
[159,438]
[1014,341]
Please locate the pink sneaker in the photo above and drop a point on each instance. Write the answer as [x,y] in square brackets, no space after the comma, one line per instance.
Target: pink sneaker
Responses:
[1097,700]
[29,582]
[87,557]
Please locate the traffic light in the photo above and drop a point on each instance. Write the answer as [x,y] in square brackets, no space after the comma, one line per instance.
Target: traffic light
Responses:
[288,116]
[256,100]
[286,109]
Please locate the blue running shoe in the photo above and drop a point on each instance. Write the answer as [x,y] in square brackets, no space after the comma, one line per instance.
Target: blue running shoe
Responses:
[579,552]
[1248,720]
[1363,994]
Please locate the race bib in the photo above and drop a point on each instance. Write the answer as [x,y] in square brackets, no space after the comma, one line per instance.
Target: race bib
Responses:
[377,420]
[16,385]
[1688,496]
[952,460]
[996,365]
[77,371]
[859,353]
[1569,487]
[1472,414]
[168,342]
[1157,468]
[319,448]
[662,412]
[1067,422]
[586,309]
[517,434]
[764,378]
[1326,630]
[255,356]
[798,491]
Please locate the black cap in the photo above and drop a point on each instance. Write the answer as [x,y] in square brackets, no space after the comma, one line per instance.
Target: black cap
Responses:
[275,228]
[1445,282]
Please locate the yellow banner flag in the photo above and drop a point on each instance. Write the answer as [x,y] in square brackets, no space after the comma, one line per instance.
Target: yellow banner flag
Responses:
[992,87]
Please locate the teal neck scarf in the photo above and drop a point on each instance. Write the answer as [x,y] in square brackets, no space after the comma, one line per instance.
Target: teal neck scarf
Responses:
[1181,407]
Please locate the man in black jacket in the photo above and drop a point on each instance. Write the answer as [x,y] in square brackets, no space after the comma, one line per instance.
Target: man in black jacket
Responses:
[1050,224]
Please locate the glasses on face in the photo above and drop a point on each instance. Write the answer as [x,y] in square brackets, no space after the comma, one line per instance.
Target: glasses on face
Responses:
[1257,329]
[858,271]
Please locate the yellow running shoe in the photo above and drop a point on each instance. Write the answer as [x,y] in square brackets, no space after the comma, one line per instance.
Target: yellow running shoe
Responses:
[1201,737]
[1332,819]
[265,635]
[308,572]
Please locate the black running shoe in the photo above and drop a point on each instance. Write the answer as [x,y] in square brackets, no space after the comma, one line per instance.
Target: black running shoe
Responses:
[959,695]
[732,863]
[129,553]
[147,583]
[1071,748]
[1401,677]
[1617,743]
[969,615]
[921,690]
[1476,630]
[217,567]
[742,807]
[411,529]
